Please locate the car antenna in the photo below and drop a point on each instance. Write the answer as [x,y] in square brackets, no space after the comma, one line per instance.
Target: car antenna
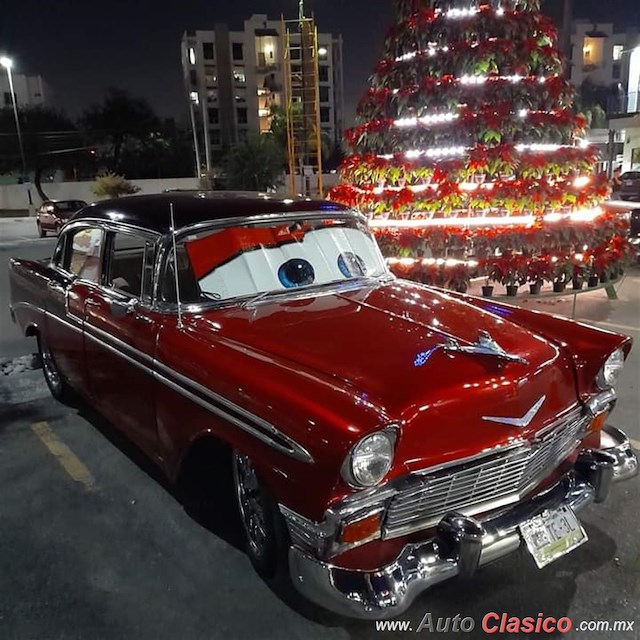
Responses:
[175,266]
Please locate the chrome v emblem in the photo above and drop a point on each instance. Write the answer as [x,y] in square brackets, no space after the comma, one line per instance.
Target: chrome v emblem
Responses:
[485,346]
[523,422]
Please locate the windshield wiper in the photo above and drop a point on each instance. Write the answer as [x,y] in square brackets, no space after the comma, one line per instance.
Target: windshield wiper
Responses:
[256,299]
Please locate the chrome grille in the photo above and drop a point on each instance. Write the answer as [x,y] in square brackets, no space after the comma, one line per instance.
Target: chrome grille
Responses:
[488,482]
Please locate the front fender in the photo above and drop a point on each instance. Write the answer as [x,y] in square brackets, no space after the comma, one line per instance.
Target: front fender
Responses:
[587,346]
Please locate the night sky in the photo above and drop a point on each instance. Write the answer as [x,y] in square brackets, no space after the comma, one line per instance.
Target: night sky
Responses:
[83,47]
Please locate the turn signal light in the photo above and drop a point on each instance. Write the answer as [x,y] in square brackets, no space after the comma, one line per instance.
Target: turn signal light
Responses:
[364,529]
[598,422]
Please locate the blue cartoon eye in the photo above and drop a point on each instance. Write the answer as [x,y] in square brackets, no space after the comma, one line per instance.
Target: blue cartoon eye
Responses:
[351,265]
[296,273]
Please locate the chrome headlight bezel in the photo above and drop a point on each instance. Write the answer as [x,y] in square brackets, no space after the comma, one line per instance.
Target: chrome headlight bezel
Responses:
[609,374]
[379,447]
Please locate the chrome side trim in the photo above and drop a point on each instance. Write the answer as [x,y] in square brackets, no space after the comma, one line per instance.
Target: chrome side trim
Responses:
[71,325]
[155,367]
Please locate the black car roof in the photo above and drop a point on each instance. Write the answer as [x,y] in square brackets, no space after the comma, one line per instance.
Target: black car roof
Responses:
[153,211]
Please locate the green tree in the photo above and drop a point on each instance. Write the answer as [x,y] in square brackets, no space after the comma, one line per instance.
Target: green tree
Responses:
[121,120]
[111,185]
[254,164]
[49,138]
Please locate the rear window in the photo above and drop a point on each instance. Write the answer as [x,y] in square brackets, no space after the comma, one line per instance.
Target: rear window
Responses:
[630,175]
[70,205]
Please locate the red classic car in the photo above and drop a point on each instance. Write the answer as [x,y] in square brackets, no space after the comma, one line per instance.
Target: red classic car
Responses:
[383,436]
[52,214]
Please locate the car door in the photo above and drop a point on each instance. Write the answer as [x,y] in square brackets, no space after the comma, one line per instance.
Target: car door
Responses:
[120,337]
[76,271]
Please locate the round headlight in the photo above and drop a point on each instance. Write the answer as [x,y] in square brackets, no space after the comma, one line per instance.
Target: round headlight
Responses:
[610,372]
[370,460]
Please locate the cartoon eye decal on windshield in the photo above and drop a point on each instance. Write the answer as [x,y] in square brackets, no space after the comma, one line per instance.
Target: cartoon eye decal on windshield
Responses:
[351,265]
[296,273]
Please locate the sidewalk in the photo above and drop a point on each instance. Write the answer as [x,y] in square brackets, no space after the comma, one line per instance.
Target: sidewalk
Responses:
[16,230]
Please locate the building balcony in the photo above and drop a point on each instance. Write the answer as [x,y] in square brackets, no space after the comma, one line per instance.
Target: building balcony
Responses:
[624,104]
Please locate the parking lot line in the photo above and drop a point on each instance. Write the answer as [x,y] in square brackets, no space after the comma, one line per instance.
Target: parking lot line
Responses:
[69,461]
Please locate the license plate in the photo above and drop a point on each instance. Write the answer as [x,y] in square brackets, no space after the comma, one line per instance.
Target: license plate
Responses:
[552,534]
[628,183]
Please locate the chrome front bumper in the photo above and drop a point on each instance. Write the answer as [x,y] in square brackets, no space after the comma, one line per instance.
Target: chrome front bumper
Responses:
[461,545]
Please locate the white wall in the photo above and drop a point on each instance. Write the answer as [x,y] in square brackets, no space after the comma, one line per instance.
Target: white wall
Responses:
[15,197]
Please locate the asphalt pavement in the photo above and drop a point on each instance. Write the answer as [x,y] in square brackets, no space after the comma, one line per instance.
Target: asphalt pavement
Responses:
[94,545]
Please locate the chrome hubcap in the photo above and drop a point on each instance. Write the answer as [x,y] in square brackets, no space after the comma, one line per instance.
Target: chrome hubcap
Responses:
[251,504]
[50,370]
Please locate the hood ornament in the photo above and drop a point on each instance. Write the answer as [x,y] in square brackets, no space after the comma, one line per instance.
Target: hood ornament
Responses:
[485,346]
[523,422]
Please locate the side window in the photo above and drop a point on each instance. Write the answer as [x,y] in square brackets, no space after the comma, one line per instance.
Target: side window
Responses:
[83,255]
[126,264]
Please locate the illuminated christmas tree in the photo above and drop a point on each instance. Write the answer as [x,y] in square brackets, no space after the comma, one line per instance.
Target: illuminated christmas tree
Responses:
[467,146]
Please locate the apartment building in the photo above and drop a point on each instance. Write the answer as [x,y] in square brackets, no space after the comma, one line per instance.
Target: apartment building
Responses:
[600,53]
[234,78]
[30,91]
[626,122]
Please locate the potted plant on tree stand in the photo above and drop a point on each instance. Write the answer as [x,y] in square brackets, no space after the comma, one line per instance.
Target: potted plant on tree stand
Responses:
[578,276]
[538,270]
[459,277]
[590,273]
[562,273]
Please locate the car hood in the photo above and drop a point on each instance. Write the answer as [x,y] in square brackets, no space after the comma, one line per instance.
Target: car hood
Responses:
[385,344]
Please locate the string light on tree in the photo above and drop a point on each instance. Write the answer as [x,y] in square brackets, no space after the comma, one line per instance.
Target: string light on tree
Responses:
[468,124]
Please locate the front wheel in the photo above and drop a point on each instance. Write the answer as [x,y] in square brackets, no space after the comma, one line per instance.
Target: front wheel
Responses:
[58,386]
[264,529]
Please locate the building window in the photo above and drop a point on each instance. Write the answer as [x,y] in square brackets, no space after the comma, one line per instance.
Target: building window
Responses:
[616,73]
[243,134]
[239,76]
[323,52]
[214,137]
[195,98]
[325,114]
[323,73]
[213,116]
[324,94]
[7,99]
[241,96]
[618,49]
[212,95]
[242,115]
[207,50]
[192,55]
[237,50]
[210,76]
[193,77]
[295,53]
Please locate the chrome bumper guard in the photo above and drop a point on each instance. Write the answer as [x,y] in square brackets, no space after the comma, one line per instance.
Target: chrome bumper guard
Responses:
[461,545]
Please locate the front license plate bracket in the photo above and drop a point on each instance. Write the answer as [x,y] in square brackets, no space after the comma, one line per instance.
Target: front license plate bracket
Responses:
[553,534]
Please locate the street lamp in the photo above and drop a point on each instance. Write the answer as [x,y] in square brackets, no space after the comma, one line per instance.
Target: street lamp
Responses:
[7,63]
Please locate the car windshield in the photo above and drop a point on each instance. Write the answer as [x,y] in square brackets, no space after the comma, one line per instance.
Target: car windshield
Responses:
[259,259]
[70,205]
[630,175]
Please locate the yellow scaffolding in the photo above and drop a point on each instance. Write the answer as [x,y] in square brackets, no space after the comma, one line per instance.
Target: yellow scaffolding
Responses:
[302,106]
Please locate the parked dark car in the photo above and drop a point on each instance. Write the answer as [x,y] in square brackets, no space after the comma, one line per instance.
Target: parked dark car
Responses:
[630,189]
[52,214]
